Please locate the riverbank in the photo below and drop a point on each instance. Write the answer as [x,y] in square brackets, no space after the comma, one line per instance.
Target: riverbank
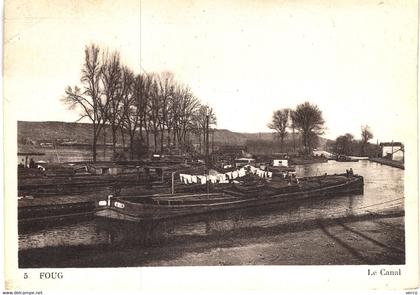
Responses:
[367,239]
[388,162]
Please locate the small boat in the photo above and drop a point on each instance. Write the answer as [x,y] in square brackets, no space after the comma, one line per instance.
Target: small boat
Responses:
[166,206]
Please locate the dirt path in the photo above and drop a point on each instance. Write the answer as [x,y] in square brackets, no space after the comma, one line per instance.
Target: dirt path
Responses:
[361,242]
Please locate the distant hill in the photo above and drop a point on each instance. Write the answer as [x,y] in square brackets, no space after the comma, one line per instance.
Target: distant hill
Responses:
[224,136]
[51,131]
[81,133]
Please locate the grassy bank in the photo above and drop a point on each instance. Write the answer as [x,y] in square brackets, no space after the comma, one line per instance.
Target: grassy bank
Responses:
[388,162]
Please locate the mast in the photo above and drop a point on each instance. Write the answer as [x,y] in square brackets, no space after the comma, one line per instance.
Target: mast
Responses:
[207,141]
[212,140]
[207,147]
[392,149]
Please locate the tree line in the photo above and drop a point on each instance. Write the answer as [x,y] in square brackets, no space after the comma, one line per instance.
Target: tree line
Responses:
[306,119]
[347,145]
[112,96]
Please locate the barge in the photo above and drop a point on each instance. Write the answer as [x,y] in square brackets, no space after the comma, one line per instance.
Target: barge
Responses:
[166,206]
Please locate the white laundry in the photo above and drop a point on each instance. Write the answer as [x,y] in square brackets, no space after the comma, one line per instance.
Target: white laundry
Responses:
[212,178]
[220,177]
[261,173]
[203,179]
[187,179]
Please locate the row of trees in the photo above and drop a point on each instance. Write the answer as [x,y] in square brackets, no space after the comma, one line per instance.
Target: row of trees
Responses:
[112,96]
[306,119]
[347,145]
[308,122]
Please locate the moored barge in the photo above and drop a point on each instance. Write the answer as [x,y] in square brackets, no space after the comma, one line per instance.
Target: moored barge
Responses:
[166,206]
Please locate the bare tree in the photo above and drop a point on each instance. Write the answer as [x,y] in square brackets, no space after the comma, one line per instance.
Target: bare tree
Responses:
[173,116]
[155,111]
[293,127]
[130,108]
[366,136]
[143,94]
[165,88]
[197,130]
[151,103]
[280,122]
[112,90]
[343,143]
[308,119]
[88,99]
[188,104]
[205,118]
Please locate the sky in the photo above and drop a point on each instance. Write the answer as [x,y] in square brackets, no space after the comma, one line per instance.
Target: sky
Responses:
[356,60]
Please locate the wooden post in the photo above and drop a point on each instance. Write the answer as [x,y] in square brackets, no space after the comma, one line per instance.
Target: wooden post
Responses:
[392,149]
[172,182]
[212,141]
[207,140]
[104,143]
[208,186]
[207,150]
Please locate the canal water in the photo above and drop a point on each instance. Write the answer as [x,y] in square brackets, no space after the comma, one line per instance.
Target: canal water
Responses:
[383,192]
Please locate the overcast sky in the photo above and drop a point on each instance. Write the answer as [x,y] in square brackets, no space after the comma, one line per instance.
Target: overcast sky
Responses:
[355,59]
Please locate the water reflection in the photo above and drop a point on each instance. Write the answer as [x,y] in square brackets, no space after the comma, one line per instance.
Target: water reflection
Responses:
[384,190]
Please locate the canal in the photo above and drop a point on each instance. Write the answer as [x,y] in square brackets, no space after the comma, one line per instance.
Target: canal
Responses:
[383,194]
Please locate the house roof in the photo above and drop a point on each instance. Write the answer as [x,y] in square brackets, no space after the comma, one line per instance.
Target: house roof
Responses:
[27,150]
[104,165]
[396,143]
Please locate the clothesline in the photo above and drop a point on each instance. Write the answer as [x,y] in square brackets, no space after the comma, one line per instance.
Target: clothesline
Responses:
[224,177]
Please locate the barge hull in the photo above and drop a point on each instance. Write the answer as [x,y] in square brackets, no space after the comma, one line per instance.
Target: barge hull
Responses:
[143,211]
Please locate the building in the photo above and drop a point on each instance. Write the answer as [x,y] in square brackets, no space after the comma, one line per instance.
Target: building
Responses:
[244,161]
[104,169]
[26,153]
[392,150]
